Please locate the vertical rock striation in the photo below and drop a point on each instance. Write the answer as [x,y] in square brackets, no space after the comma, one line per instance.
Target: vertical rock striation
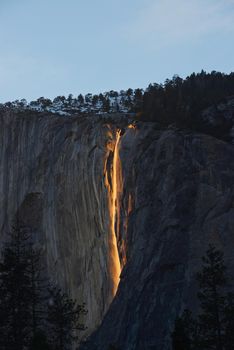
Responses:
[87,187]
[52,173]
[178,195]
[112,182]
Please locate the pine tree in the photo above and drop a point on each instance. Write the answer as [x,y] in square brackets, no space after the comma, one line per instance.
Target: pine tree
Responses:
[63,319]
[80,99]
[106,104]
[22,290]
[38,285]
[184,332]
[113,347]
[212,280]
[94,100]
[229,322]
[70,99]
[138,99]
[14,291]
[214,327]
[40,342]
[24,312]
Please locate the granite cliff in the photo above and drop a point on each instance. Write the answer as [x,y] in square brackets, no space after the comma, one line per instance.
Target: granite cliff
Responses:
[54,175]
[89,185]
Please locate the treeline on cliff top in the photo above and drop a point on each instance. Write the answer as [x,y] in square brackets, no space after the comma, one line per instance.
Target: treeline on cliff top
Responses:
[176,101]
[128,101]
[182,101]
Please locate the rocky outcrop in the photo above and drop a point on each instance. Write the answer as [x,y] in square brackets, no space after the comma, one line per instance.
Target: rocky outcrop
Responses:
[174,195]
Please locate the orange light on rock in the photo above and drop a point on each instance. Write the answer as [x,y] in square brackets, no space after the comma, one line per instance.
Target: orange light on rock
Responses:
[115,268]
[131,126]
[113,182]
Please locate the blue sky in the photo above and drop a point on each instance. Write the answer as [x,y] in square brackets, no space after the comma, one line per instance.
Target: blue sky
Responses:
[57,47]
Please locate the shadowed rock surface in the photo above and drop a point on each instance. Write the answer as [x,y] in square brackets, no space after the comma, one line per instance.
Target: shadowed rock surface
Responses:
[177,196]
[181,187]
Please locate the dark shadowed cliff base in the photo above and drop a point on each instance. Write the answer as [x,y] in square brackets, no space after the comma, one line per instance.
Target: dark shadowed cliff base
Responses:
[176,195]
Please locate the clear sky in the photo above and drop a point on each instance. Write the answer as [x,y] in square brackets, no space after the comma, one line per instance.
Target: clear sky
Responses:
[57,47]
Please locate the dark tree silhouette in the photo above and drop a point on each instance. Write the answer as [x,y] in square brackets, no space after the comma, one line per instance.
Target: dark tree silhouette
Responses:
[30,315]
[63,319]
[212,280]
[80,99]
[229,322]
[15,290]
[214,327]
[37,291]
[184,332]
[182,101]
[113,347]
[40,342]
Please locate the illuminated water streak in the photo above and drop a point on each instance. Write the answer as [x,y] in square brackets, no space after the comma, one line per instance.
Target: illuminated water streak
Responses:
[114,255]
[113,183]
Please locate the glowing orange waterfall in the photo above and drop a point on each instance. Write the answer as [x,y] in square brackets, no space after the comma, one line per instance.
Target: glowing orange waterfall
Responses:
[114,211]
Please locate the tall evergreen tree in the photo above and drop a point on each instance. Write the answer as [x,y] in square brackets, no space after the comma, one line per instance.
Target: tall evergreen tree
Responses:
[25,316]
[15,291]
[40,342]
[113,347]
[212,280]
[22,289]
[229,322]
[184,332]
[63,319]
[38,286]
[106,104]
[81,99]
[214,327]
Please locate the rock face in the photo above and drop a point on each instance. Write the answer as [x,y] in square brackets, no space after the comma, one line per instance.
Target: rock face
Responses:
[174,195]
[178,196]
[52,175]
